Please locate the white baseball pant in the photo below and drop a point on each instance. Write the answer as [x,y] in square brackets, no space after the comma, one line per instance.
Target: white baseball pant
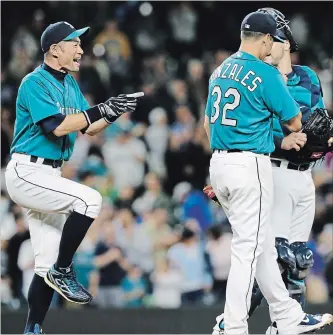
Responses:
[243,184]
[294,203]
[49,199]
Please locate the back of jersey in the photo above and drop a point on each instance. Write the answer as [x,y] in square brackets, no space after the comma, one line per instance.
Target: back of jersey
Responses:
[238,104]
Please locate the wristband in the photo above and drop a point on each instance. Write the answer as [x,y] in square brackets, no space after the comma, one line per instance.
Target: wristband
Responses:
[94,113]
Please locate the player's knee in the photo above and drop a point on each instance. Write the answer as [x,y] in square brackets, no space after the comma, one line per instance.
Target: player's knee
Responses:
[304,260]
[286,257]
[92,204]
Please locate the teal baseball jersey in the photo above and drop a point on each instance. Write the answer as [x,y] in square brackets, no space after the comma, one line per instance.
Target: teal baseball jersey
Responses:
[40,96]
[244,94]
[304,86]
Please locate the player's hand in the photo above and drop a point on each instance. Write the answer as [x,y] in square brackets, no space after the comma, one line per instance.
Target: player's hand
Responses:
[121,104]
[294,141]
[208,190]
[330,141]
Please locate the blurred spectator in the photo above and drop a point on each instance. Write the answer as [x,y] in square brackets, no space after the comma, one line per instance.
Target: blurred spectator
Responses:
[159,231]
[118,54]
[117,128]
[178,90]
[193,204]
[8,91]
[20,64]
[125,198]
[6,135]
[112,268]
[167,284]
[153,197]
[134,241]
[125,157]
[189,258]
[197,83]
[183,20]
[133,287]
[23,40]
[89,80]
[26,263]
[183,127]
[156,137]
[219,252]
[13,248]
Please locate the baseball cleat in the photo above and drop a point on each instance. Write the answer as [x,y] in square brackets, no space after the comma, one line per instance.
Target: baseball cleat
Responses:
[312,323]
[219,327]
[37,330]
[64,282]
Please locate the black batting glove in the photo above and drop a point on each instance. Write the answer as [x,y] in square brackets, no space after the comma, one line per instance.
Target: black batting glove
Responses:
[111,109]
[123,103]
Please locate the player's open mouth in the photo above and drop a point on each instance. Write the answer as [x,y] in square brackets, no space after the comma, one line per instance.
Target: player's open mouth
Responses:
[77,60]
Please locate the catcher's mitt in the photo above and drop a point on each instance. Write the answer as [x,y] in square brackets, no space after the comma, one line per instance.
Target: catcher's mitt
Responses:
[318,129]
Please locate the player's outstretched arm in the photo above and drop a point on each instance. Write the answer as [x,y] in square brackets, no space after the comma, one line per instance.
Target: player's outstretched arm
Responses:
[101,115]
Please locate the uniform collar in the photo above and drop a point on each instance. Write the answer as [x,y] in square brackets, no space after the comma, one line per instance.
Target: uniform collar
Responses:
[245,55]
[293,78]
[60,76]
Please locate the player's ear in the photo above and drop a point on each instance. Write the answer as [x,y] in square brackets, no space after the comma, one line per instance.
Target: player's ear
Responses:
[286,46]
[53,51]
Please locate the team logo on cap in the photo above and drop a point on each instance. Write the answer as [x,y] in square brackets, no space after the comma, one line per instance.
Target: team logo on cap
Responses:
[247,26]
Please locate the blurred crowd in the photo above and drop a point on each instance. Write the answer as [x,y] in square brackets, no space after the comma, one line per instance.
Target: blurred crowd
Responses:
[158,241]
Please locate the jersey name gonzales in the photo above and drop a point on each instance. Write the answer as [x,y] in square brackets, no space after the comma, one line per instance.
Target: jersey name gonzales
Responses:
[248,79]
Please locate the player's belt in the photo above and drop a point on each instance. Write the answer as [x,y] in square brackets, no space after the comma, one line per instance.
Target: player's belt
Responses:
[46,161]
[291,166]
[233,150]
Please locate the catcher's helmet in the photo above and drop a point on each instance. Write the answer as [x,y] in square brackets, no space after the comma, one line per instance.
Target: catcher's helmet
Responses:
[283,29]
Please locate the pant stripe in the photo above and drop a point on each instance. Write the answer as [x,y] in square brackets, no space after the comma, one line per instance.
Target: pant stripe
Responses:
[46,188]
[255,249]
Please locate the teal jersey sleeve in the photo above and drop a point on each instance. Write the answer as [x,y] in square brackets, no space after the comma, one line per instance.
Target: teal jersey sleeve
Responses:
[37,100]
[84,103]
[277,97]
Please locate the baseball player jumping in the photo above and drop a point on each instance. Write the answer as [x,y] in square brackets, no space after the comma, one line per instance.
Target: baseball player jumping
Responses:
[50,109]
[244,93]
[294,191]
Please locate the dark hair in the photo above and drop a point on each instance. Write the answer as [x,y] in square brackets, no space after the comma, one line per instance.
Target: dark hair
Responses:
[251,35]
[83,175]
[215,232]
[187,234]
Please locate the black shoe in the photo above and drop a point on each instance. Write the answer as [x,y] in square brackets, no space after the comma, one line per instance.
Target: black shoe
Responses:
[64,282]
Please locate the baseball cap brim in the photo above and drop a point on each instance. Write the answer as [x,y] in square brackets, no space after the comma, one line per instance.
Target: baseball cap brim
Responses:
[77,33]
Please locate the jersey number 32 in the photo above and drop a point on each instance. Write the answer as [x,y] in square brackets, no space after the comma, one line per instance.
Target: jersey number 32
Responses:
[227,107]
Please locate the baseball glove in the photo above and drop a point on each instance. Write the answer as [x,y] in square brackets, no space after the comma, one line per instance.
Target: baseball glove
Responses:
[318,129]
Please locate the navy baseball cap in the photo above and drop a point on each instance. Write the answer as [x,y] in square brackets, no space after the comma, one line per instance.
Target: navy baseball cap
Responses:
[261,23]
[60,31]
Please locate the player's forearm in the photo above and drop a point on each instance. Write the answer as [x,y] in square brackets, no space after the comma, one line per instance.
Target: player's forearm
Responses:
[96,127]
[71,123]
[206,126]
[294,124]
